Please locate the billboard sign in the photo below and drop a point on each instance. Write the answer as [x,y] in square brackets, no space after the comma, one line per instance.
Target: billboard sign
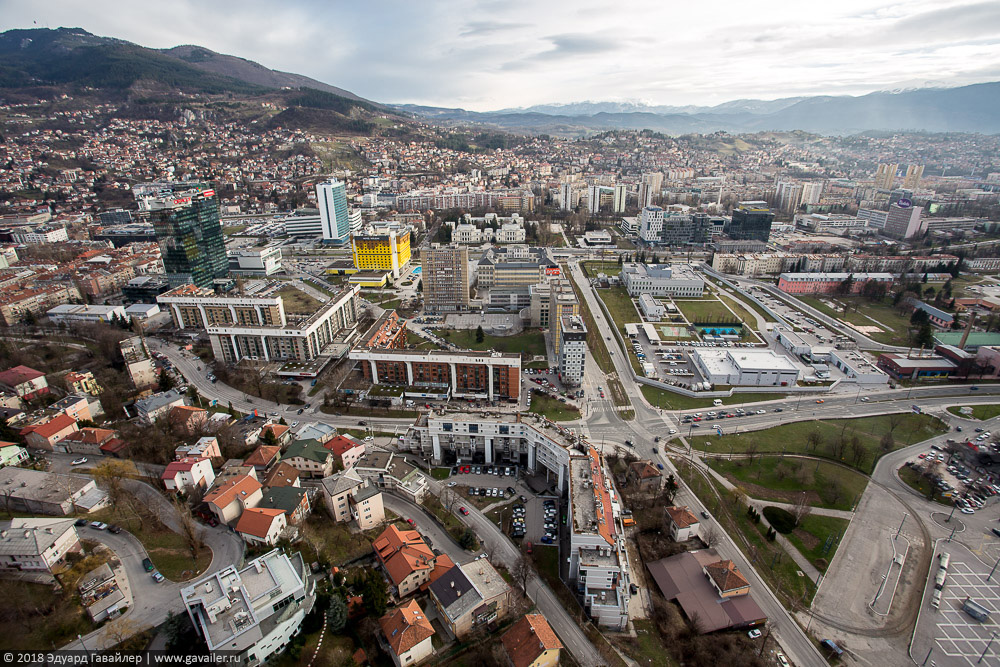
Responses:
[904,203]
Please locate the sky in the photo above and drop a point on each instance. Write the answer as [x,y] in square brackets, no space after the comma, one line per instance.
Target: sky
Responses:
[488,54]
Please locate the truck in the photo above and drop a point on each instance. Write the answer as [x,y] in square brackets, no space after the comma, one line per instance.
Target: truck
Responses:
[976,610]
[717,402]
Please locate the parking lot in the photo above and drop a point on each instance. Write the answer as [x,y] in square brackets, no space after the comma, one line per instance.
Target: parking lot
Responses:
[958,638]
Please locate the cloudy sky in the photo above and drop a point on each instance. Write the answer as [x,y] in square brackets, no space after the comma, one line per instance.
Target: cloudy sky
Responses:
[492,54]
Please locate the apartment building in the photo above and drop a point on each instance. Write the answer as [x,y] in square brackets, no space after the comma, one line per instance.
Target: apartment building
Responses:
[828,283]
[598,561]
[470,596]
[252,612]
[445,279]
[349,496]
[572,350]
[257,328]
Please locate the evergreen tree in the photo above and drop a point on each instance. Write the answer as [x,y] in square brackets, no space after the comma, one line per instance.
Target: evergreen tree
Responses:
[480,334]
[165,381]
[336,614]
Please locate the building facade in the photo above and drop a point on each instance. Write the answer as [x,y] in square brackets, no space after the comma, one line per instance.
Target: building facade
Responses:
[572,351]
[331,198]
[385,249]
[445,276]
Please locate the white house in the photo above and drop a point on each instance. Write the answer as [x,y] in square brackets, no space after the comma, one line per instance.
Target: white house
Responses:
[37,544]
[261,525]
[187,474]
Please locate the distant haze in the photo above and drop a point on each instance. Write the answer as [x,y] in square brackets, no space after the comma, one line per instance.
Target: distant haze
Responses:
[489,55]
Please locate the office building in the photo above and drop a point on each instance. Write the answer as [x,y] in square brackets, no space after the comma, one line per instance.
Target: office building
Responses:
[445,276]
[116,216]
[885,176]
[680,229]
[186,222]
[873,218]
[123,235]
[550,301]
[903,220]
[751,221]
[828,283]
[572,351]
[252,613]
[69,313]
[303,222]
[914,173]
[677,280]
[255,261]
[257,328]
[331,198]
[384,248]
[651,224]
[145,289]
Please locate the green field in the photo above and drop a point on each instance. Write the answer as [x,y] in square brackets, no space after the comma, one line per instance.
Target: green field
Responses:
[705,311]
[591,269]
[835,438]
[619,304]
[668,400]
[784,479]
[530,342]
[298,302]
[554,409]
[980,412]
[896,327]
[811,535]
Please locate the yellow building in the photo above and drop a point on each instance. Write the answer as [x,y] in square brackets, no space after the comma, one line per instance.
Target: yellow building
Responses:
[382,249]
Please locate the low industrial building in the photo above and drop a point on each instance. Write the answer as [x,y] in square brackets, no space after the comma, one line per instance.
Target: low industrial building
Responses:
[55,494]
[37,545]
[71,313]
[651,309]
[919,366]
[754,368]
[252,613]
[708,589]
[255,261]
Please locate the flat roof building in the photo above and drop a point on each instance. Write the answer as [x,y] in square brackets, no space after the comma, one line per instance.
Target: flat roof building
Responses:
[755,368]
[677,280]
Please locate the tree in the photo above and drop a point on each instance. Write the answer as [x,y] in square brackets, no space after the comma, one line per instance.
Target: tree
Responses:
[801,510]
[468,540]
[857,450]
[887,443]
[375,593]
[190,530]
[813,439]
[523,571]
[336,614]
[480,334]
[165,381]
[924,336]
[709,535]
[118,632]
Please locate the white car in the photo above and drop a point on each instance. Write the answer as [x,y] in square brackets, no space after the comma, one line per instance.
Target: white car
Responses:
[451,484]
[80,461]
[672,431]
[865,399]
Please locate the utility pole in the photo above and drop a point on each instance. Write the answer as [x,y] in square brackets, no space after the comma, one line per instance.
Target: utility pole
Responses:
[901,525]
[988,645]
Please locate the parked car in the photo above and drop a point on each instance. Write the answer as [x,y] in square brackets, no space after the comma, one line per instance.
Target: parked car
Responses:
[464,511]
[80,523]
[147,565]
[80,461]
[98,525]
[114,529]
[754,634]
[157,577]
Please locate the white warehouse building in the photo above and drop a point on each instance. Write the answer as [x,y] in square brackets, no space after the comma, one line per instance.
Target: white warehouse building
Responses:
[754,368]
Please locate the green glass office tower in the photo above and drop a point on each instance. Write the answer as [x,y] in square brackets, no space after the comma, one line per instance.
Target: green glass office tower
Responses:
[186,221]
[750,222]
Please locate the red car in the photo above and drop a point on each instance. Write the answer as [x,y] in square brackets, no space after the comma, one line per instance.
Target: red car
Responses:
[529,547]
[464,511]
[410,521]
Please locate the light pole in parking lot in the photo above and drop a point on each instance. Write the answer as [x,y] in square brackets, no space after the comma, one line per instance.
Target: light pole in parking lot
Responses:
[988,645]
[994,569]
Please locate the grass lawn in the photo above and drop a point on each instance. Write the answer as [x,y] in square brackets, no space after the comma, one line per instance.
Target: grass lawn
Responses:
[921,485]
[451,522]
[706,311]
[233,229]
[896,327]
[783,577]
[591,269]
[748,318]
[784,479]
[811,535]
[556,410]
[595,341]
[335,542]
[168,550]
[298,302]
[536,364]
[668,400]
[619,304]
[530,342]
[419,342]
[648,647]
[440,473]
[980,412]
[793,438]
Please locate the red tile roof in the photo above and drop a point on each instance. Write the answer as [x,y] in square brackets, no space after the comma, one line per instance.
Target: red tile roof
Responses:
[406,627]
[529,638]
[282,474]
[51,427]
[402,552]
[682,516]
[726,576]
[90,435]
[257,521]
[341,444]
[18,374]
[644,469]
[184,465]
[263,455]
[223,494]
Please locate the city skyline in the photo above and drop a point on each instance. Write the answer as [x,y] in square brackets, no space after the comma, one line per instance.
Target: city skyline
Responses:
[484,55]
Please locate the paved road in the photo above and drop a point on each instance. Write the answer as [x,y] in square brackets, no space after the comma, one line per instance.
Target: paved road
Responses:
[502,551]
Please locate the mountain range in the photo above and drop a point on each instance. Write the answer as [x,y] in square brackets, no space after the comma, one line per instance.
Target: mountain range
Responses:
[74,60]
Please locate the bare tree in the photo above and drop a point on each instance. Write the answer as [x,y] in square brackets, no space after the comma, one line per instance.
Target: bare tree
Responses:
[119,631]
[709,535]
[190,529]
[813,438]
[895,419]
[751,452]
[857,450]
[887,443]
[523,571]
[801,509]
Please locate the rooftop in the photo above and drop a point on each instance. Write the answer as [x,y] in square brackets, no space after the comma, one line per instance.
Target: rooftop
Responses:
[529,638]
[592,496]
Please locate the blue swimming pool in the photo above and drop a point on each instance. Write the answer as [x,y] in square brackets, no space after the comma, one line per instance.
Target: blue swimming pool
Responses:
[418,270]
